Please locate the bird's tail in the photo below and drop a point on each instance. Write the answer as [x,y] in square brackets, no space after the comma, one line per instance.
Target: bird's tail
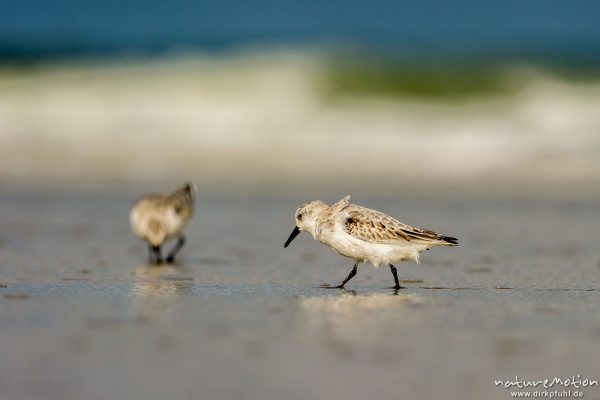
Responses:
[449,240]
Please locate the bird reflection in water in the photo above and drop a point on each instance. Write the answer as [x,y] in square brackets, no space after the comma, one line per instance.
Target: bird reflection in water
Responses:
[164,281]
[353,320]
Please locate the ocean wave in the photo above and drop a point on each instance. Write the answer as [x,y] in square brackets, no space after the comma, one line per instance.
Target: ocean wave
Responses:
[281,117]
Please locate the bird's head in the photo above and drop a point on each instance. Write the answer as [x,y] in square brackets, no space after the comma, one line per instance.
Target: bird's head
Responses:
[306,219]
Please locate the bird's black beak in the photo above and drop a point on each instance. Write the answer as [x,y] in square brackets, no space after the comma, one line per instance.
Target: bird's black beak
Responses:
[295,233]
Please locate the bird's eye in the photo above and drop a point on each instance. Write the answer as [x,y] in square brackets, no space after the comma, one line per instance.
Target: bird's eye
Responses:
[300,217]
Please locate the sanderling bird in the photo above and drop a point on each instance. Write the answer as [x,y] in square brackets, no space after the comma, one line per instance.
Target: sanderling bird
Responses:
[160,217]
[364,235]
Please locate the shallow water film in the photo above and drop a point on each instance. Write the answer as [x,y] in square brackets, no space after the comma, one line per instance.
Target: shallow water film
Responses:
[83,316]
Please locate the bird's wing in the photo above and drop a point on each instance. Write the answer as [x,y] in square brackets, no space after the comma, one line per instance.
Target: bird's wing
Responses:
[374,226]
[340,205]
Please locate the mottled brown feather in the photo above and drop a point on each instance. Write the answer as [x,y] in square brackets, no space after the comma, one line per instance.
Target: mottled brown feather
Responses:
[374,226]
[154,226]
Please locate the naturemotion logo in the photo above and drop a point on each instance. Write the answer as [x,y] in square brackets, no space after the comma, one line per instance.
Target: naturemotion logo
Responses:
[569,386]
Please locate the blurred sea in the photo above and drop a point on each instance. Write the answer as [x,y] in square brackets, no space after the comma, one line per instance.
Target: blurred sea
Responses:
[286,95]
[558,31]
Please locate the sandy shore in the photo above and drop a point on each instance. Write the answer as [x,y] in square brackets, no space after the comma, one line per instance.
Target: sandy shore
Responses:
[82,316]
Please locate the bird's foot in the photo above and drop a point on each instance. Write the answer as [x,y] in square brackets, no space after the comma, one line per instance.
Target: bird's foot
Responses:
[397,287]
[170,259]
[328,286]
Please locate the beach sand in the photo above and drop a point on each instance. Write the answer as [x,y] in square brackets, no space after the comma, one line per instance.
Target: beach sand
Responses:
[240,317]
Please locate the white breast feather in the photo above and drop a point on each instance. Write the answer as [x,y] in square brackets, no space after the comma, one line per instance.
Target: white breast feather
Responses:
[173,222]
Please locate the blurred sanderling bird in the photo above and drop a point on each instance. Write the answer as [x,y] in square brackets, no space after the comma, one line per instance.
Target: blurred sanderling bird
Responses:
[160,217]
[364,235]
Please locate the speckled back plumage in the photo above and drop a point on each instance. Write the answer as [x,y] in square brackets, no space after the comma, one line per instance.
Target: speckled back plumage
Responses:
[375,226]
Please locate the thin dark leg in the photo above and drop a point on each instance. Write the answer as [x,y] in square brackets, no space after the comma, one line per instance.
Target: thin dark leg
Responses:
[395,273]
[155,256]
[178,246]
[350,276]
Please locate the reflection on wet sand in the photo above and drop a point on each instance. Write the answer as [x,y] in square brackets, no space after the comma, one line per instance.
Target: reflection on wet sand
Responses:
[161,281]
[350,317]
[351,302]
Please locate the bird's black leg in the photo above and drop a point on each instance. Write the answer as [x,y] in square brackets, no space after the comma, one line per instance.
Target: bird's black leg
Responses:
[395,273]
[178,246]
[350,276]
[155,256]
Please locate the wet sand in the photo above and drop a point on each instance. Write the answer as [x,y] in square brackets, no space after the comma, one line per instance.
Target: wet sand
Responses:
[83,317]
